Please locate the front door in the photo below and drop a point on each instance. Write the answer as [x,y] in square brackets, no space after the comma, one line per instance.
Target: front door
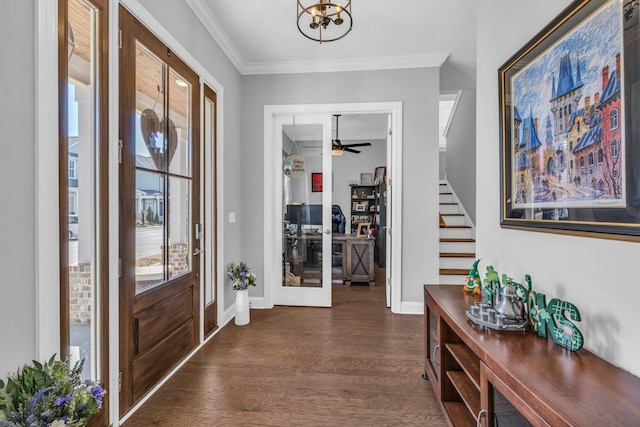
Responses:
[305,217]
[159,207]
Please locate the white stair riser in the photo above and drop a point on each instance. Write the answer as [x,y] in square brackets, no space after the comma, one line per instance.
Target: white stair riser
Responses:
[455,233]
[465,263]
[452,280]
[446,198]
[460,247]
[449,209]
[453,219]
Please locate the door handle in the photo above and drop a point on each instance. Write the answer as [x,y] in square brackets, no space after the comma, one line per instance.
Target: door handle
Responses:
[327,231]
[198,251]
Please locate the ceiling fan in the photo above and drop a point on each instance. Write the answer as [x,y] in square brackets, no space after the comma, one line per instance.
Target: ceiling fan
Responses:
[338,148]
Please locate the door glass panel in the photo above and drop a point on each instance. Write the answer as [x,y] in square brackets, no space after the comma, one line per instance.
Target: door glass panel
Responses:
[150,99]
[150,208]
[210,146]
[178,138]
[83,180]
[179,223]
[302,205]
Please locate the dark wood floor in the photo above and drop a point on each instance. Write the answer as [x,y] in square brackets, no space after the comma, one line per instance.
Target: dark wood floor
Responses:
[355,364]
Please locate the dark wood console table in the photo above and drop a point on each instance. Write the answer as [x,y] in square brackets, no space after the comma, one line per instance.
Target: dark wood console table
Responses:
[481,375]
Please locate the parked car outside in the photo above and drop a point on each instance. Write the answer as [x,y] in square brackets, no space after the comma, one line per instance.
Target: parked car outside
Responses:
[73,227]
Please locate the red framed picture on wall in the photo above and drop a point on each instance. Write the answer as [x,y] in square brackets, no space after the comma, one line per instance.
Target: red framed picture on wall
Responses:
[316,182]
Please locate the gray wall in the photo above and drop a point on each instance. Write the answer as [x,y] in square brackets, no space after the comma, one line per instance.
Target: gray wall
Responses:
[182,23]
[599,276]
[461,152]
[418,89]
[460,156]
[346,168]
[17,192]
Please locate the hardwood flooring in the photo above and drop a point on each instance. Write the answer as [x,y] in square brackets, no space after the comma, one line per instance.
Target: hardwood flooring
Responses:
[355,364]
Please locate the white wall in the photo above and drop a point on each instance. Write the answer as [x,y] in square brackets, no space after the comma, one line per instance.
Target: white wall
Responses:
[178,18]
[17,192]
[418,89]
[599,276]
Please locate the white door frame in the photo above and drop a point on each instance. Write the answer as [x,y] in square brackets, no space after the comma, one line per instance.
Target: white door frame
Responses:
[272,175]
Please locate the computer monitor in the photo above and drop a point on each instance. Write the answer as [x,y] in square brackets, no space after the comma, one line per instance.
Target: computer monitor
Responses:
[304,214]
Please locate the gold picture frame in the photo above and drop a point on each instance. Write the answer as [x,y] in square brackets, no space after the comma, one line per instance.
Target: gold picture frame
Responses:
[363,229]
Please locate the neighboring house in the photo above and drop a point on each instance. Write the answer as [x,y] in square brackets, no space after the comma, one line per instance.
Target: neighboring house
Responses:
[73,175]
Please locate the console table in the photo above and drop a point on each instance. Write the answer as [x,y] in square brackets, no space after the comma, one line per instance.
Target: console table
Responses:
[357,257]
[481,375]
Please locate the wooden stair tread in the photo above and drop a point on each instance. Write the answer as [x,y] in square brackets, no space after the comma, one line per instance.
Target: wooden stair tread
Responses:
[457,226]
[454,271]
[452,214]
[456,240]
[447,194]
[448,203]
[457,255]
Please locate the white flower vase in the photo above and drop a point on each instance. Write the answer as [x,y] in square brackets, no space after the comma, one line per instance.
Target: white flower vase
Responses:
[242,307]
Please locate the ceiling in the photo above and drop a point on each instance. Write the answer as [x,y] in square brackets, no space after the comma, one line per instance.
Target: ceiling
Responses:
[370,127]
[261,37]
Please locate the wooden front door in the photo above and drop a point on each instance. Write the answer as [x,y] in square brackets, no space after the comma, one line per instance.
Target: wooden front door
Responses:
[159,210]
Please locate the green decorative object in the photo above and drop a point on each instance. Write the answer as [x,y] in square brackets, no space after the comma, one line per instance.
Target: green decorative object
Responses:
[565,333]
[472,282]
[491,285]
[551,317]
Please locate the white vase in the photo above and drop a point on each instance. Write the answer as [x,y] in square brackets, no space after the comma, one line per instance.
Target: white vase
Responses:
[242,307]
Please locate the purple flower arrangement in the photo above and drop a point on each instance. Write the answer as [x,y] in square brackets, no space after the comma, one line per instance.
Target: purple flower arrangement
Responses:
[240,276]
[49,394]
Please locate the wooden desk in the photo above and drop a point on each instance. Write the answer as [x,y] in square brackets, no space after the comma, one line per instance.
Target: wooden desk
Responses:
[476,372]
[357,257]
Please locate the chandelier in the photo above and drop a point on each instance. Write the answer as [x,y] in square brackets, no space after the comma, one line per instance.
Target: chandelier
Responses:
[324,21]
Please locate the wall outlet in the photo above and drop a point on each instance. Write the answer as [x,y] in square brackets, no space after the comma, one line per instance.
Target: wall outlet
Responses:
[232,217]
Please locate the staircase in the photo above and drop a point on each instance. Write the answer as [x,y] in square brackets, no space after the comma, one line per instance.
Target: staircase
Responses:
[457,242]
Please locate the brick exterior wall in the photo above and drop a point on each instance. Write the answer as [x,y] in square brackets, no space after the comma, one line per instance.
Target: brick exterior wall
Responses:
[80,294]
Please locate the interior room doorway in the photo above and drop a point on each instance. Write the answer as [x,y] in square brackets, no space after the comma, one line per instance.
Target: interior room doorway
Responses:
[273,188]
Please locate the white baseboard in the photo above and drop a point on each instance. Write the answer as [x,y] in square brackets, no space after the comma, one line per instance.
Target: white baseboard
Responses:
[408,307]
[256,302]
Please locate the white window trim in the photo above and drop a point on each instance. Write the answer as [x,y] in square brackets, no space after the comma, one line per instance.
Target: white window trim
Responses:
[455,97]
[47,303]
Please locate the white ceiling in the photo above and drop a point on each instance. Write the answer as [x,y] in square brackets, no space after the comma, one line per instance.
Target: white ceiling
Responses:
[261,36]
[369,127]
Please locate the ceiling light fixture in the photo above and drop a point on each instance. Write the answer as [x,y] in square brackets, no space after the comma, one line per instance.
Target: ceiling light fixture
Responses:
[316,16]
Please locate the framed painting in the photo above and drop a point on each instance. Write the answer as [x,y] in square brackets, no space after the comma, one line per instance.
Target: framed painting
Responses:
[316,182]
[569,125]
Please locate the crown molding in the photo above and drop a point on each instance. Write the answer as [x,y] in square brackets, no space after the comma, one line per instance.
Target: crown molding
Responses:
[353,64]
[212,25]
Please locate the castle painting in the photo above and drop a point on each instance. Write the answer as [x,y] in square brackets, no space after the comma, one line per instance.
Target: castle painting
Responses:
[568,120]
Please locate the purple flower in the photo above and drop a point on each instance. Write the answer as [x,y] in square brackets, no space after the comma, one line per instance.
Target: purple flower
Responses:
[62,401]
[97,393]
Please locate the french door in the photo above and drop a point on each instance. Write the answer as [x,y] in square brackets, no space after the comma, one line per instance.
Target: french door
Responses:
[159,210]
[306,224]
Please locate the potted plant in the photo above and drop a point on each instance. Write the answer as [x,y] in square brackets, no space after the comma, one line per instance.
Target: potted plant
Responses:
[49,394]
[241,279]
